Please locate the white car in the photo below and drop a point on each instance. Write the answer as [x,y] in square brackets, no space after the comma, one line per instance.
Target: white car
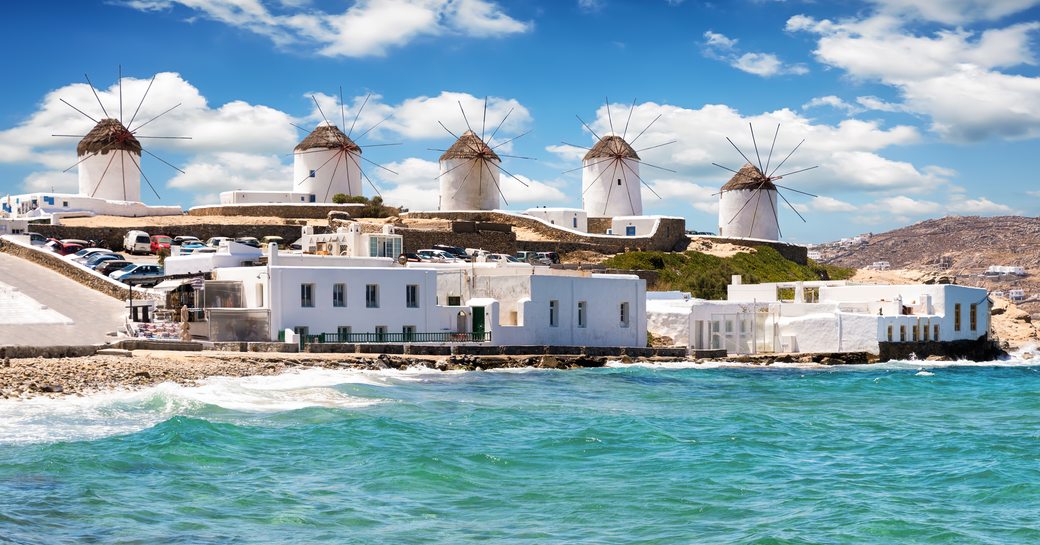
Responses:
[437,256]
[214,242]
[85,254]
[501,258]
[137,242]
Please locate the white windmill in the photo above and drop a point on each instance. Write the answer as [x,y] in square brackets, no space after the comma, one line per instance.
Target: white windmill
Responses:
[747,202]
[328,162]
[470,169]
[610,180]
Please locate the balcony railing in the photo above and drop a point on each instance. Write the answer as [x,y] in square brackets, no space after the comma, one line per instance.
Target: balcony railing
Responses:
[437,337]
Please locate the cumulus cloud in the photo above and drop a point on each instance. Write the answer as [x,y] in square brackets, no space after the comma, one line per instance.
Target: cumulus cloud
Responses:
[956,77]
[955,11]
[721,47]
[366,28]
[209,174]
[831,101]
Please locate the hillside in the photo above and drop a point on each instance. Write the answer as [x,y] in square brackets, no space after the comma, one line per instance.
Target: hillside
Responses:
[970,245]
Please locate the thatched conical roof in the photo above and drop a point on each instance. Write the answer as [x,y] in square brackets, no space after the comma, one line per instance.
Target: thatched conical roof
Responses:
[108,135]
[469,146]
[748,177]
[612,146]
[327,137]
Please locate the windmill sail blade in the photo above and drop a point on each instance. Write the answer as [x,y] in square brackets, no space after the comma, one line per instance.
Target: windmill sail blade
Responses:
[771,147]
[139,104]
[588,127]
[525,133]
[335,155]
[122,172]
[597,178]
[357,114]
[797,171]
[499,167]
[362,135]
[332,177]
[609,120]
[653,166]
[464,118]
[795,190]
[604,160]
[574,145]
[726,168]
[449,170]
[163,160]
[120,94]
[483,120]
[747,202]
[500,123]
[651,124]
[78,110]
[484,162]
[365,176]
[319,111]
[786,158]
[775,218]
[92,90]
[755,142]
[149,182]
[640,178]
[738,151]
[103,174]
[629,120]
[464,178]
[792,206]
[656,146]
[156,117]
[363,158]
[89,155]
[610,186]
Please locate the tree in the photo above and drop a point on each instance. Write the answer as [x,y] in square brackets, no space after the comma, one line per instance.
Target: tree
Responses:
[339,198]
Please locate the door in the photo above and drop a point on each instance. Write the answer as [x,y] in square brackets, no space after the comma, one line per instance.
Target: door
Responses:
[478,322]
[630,231]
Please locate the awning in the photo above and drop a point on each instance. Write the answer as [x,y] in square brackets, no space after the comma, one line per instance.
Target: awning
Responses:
[172,284]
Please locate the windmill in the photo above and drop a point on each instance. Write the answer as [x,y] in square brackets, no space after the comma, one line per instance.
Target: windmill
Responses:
[610,180]
[317,159]
[747,203]
[469,169]
[101,175]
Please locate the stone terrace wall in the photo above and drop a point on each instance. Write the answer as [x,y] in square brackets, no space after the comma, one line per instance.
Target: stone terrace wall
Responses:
[503,242]
[982,349]
[670,235]
[59,265]
[600,225]
[112,237]
[309,211]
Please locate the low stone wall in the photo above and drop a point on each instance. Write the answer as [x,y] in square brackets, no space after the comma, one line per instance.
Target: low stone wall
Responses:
[982,349]
[55,263]
[112,237]
[670,234]
[492,241]
[600,225]
[18,352]
[145,344]
[309,211]
[791,252]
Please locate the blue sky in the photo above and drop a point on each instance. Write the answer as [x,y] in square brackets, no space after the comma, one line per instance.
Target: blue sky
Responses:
[912,108]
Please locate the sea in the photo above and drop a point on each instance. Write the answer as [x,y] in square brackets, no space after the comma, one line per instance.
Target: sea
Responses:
[903,452]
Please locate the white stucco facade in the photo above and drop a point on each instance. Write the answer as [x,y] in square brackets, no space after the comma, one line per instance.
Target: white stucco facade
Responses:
[634,226]
[240,196]
[229,254]
[326,172]
[469,184]
[570,218]
[749,213]
[111,176]
[821,317]
[611,187]
[45,205]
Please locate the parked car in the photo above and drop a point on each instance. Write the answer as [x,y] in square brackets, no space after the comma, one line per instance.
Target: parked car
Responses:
[138,274]
[108,267]
[214,242]
[436,256]
[160,242]
[205,250]
[83,243]
[275,239]
[36,239]
[553,257]
[85,253]
[248,241]
[98,259]
[68,248]
[137,242]
[191,246]
[181,240]
[455,251]
[505,258]
[476,252]
[532,258]
[410,257]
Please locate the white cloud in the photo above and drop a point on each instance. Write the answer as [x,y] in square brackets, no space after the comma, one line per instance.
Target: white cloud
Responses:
[830,204]
[956,77]
[902,209]
[721,47]
[831,101]
[52,180]
[981,206]
[698,196]
[224,171]
[366,28]
[955,11]
[590,5]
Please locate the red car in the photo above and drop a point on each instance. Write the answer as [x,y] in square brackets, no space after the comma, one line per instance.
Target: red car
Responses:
[161,242]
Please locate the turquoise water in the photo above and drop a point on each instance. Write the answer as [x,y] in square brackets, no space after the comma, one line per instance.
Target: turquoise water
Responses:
[875,454]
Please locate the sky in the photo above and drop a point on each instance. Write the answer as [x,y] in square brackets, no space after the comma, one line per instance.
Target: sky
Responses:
[911,109]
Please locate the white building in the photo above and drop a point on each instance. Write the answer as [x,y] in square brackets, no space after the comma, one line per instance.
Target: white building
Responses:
[229,254]
[350,241]
[610,179]
[240,196]
[109,181]
[9,226]
[634,226]
[820,316]
[325,163]
[571,218]
[1005,270]
[469,177]
[747,206]
[345,297]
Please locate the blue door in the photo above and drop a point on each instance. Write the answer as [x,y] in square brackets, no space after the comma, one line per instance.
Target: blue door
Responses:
[630,231]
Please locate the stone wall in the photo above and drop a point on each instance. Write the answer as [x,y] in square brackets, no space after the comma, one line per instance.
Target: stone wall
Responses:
[600,225]
[16,352]
[56,263]
[492,241]
[112,237]
[310,211]
[670,235]
[981,349]
[791,252]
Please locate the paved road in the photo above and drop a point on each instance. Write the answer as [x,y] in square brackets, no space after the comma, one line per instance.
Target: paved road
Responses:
[93,314]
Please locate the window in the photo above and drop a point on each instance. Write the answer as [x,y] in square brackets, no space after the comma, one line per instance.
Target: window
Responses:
[619,181]
[889,333]
[306,295]
[902,333]
[957,317]
[913,329]
[624,317]
[314,173]
[574,223]
[408,332]
[411,295]
[65,204]
[343,332]
[973,316]
[372,296]
[935,332]
[582,308]
[454,301]
[339,295]
[554,313]
[924,332]
[380,332]
[260,295]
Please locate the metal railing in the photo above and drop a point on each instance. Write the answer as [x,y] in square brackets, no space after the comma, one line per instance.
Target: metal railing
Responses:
[438,337]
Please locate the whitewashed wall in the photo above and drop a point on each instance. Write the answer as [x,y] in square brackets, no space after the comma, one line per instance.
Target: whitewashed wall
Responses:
[468,184]
[113,174]
[614,188]
[759,219]
[568,218]
[645,225]
[79,204]
[264,197]
[332,174]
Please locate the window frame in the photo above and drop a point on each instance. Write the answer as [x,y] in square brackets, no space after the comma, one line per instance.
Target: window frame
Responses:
[339,295]
[371,295]
[554,313]
[411,296]
[583,314]
[307,295]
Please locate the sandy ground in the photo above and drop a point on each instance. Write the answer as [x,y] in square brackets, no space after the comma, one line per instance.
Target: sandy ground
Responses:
[717,249]
[891,276]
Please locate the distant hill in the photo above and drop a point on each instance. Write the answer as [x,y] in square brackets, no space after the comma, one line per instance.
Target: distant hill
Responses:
[970,244]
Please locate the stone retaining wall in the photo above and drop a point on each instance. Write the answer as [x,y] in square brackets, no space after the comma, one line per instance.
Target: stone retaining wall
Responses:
[670,234]
[982,349]
[492,241]
[55,263]
[309,211]
[18,352]
[112,237]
